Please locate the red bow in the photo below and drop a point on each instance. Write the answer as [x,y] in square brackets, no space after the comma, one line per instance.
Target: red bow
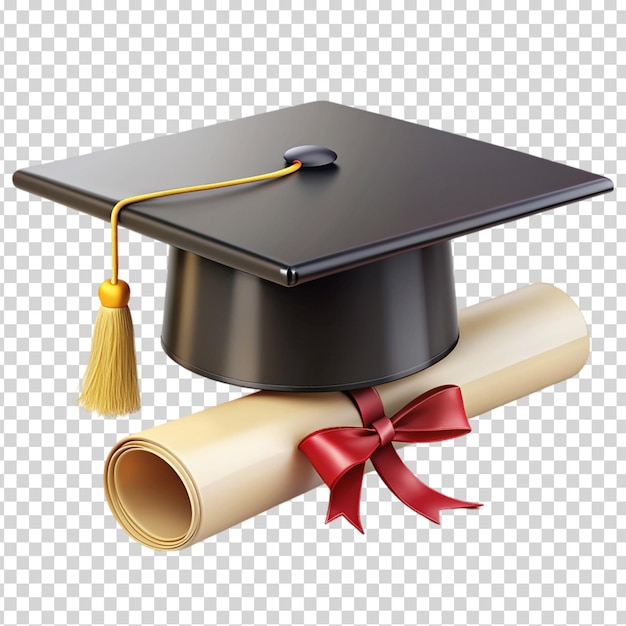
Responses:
[339,454]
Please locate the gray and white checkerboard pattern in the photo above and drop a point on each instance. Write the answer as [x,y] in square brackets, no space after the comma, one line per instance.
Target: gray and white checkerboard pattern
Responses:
[546,77]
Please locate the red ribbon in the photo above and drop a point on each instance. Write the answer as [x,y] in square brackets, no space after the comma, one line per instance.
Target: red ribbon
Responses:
[339,454]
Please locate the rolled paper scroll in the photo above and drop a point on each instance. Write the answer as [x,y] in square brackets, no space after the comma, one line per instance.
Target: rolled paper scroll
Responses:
[178,483]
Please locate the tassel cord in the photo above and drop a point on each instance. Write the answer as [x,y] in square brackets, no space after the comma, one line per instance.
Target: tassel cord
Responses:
[296,165]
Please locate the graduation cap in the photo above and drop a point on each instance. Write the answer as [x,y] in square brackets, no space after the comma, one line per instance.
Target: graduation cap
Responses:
[331,270]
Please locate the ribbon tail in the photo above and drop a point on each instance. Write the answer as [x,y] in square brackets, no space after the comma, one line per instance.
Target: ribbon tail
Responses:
[345,497]
[410,489]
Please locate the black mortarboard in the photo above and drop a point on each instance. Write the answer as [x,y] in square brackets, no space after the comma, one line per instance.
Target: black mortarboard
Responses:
[333,277]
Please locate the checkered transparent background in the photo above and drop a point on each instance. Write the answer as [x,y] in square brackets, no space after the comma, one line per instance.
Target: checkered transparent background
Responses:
[547,77]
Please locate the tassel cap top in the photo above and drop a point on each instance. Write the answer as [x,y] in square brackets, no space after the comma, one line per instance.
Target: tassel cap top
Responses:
[114,296]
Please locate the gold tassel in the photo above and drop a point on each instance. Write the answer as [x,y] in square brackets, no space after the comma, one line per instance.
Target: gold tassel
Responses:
[110,386]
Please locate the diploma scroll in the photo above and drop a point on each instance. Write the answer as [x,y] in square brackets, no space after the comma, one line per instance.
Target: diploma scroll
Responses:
[178,483]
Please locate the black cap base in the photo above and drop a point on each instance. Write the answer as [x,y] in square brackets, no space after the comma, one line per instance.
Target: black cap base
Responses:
[366,326]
